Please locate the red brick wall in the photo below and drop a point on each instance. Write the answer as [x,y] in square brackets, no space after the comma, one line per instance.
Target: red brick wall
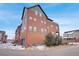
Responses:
[35,38]
[17,35]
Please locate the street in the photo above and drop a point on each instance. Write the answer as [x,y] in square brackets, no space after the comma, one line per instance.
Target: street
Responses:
[57,51]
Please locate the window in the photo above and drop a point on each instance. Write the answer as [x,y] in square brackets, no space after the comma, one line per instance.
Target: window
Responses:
[30,28]
[44,22]
[34,19]
[42,30]
[30,17]
[35,28]
[36,12]
[52,32]
[47,27]
[41,21]
[24,28]
[40,14]
[51,25]
[45,30]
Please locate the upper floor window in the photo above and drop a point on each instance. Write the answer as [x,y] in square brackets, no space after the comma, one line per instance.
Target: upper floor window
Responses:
[52,33]
[30,17]
[34,19]
[44,22]
[41,21]
[51,25]
[35,28]
[24,28]
[47,27]
[36,12]
[40,14]
[30,28]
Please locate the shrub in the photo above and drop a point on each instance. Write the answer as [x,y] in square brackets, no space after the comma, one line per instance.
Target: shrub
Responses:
[52,40]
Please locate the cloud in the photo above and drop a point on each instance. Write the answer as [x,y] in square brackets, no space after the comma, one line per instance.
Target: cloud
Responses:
[9,22]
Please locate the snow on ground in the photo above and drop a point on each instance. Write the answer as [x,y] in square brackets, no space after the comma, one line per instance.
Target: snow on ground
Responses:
[74,43]
[41,47]
[10,46]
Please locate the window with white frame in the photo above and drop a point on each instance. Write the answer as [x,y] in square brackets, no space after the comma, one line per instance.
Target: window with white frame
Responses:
[35,29]
[30,28]
[52,33]
[24,28]
[42,30]
[34,19]
[36,12]
[30,17]
[44,22]
[40,14]
[51,25]
[41,21]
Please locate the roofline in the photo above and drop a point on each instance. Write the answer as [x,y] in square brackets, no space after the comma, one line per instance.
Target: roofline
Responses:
[71,31]
[23,13]
[49,19]
[33,7]
[40,8]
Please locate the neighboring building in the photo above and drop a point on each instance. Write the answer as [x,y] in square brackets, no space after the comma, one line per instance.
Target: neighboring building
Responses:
[72,36]
[35,26]
[3,37]
[17,35]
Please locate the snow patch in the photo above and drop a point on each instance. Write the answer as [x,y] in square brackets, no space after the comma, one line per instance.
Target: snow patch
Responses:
[42,47]
[11,46]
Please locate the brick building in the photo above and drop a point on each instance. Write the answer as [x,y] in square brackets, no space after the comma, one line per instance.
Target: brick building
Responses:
[35,26]
[71,36]
[3,37]
[18,35]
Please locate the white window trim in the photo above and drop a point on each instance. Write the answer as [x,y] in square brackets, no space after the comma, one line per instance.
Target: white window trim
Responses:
[36,13]
[30,17]
[41,21]
[30,28]
[40,14]
[52,33]
[44,22]
[34,19]
[51,25]
[35,29]
[42,30]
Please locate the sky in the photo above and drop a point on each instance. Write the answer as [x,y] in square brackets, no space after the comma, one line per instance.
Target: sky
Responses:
[65,14]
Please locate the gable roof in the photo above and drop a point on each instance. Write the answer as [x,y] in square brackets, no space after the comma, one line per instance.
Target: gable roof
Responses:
[23,13]
[33,7]
[40,8]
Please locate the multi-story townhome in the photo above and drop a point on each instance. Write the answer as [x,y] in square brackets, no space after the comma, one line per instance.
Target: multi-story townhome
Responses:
[18,35]
[3,37]
[72,36]
[36,25]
